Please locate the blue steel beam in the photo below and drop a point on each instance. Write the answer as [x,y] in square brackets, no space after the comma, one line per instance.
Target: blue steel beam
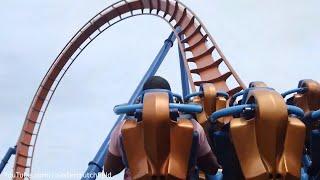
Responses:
[11,151]
[184,75]
[96,165]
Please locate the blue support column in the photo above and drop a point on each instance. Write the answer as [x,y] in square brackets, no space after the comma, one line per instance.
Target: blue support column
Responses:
[183,72]
[11,151]
[96,165]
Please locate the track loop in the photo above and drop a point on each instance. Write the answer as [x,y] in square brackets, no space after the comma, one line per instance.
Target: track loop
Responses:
[196,40]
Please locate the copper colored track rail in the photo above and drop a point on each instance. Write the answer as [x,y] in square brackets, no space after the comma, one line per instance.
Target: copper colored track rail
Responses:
[197,41]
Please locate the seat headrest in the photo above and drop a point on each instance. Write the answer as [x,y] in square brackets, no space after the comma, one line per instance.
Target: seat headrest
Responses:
[257,84]
[310,99]
[156,122]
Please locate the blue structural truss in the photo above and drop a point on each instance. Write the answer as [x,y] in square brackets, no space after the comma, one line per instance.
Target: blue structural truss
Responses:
[11,151]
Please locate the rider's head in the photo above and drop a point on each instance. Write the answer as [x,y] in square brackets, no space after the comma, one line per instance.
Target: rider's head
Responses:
[156,82]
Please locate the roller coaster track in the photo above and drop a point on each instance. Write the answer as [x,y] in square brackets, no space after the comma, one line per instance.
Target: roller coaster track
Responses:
[198,47]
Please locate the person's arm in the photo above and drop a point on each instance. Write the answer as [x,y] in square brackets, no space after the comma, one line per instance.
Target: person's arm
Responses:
[113,161]
[208,163]
[206,160]
[113,164]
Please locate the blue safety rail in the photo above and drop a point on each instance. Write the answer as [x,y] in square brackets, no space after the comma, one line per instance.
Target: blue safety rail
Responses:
[296,90]
[244,93]
[295,111]
[315,115]
[230,111]
[234,97]
[186,108]
[200,93]
[235,110]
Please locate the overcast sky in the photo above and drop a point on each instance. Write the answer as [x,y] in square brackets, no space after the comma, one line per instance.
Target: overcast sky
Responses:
[268,40]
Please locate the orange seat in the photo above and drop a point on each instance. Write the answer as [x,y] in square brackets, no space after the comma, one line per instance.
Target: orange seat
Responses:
[211,103]
[157,146]
[309,101]
[270,144]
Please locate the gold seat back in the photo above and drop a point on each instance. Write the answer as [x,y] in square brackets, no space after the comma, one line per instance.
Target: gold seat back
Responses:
[210,103]
[310,100]
[157,147]
[269,145]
